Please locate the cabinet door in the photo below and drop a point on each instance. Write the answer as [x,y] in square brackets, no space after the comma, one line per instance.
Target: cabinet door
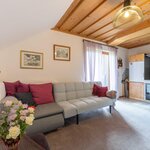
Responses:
[135,58]
[136,71]
[136,90]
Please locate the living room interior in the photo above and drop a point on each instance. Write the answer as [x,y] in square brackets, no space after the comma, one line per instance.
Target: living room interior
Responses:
[75,75]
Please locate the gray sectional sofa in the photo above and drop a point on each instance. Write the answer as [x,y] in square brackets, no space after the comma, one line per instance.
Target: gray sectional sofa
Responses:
[71,99]
[48,117]
[76,98]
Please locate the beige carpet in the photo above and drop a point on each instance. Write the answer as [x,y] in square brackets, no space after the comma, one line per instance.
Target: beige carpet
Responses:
[128,128]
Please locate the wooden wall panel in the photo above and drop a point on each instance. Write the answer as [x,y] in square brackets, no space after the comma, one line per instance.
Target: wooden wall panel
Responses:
[137,57]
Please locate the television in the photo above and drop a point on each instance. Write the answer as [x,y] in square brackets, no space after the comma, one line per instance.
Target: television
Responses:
[147,67]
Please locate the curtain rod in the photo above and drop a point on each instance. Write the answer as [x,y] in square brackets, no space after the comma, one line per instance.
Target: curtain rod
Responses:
[100,43]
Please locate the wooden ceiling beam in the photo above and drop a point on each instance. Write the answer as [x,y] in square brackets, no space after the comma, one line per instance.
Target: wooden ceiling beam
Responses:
[72,33]
[128,42]
[98,36]
[100,18]
[99,28]
[136,42]
[68,13]
[94,9]
[138,30]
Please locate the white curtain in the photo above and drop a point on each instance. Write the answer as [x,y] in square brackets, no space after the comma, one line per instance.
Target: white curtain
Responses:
[92,59]
[95,64]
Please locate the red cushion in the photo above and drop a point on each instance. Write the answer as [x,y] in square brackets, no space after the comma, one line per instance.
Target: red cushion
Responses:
[102,91]
[42,93]
[99,91]
[11,88]
[95,89]
[23,88]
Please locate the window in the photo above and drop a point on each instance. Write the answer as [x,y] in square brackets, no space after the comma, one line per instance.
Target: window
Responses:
[101,64]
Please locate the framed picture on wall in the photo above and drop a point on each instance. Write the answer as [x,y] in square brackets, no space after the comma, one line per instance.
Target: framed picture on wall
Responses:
[31,60]
[61,52]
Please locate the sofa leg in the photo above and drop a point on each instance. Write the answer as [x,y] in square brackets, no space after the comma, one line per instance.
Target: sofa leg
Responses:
[110,108]
[77,119]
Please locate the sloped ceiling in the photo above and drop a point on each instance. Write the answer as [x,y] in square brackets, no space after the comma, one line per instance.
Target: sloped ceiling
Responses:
[93,19]
[20,19]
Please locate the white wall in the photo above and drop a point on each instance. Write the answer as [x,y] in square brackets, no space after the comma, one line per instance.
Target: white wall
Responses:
[141,49]
[55,71]
[122,53]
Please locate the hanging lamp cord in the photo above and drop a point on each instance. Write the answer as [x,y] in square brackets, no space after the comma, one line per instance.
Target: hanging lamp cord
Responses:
[127,3]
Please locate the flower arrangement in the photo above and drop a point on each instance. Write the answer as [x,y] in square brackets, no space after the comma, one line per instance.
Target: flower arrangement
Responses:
[15,118]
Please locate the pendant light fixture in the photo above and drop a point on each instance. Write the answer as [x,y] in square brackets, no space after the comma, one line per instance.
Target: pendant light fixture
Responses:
[128,16]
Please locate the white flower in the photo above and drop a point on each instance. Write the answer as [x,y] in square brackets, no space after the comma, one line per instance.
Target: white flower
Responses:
[8,103]
[31,110]
[29,120]
[8,136]
[14,132]
[31,115]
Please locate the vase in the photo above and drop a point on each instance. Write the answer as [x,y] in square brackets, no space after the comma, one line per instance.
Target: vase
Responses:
[11,144]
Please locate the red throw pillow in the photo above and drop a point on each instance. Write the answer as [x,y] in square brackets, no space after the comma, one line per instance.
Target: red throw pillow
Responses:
[23,88]
[95,89]
[11,88]
[42,93]
[102,91]
[99,91]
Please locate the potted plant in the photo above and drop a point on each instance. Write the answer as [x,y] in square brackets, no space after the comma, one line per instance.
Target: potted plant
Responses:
[15,118]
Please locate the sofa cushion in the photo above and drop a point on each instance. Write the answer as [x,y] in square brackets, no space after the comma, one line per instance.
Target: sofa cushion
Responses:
[23,88]
[102,101]
[89,101]
[69,109]
[42,93]
[11,88]
[70,91]
[80,105]
[2,91]
[59,92]
[25,98]
[46,110]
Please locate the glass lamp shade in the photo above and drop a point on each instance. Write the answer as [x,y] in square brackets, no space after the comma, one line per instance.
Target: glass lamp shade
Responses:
[128,16]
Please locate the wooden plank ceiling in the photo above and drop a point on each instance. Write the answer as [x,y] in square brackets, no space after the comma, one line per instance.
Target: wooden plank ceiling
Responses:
[93,19]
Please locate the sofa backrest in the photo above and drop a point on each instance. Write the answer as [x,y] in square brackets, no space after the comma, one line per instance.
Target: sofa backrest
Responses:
[2,91]
[72,90]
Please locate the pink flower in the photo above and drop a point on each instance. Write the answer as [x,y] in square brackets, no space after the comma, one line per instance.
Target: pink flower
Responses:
[23,112]
[12,111]
[11,117]
[22,118]
[25,106]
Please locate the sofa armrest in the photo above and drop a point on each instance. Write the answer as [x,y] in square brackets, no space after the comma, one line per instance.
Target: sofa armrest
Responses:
[111,94]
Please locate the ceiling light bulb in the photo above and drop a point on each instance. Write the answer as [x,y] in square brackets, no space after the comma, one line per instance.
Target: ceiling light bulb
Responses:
[126,14]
